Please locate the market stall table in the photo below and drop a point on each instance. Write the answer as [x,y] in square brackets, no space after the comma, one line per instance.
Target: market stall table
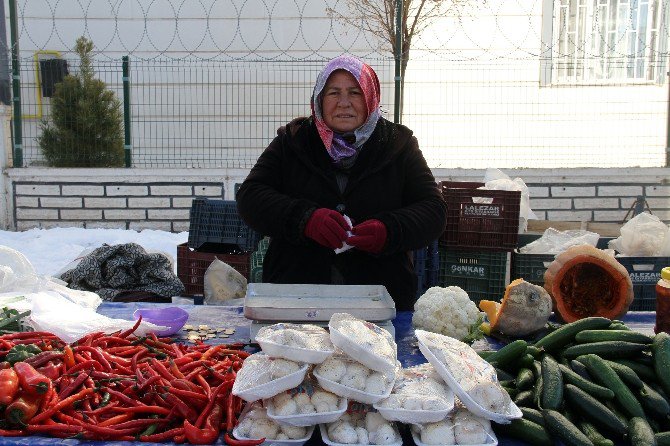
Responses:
[233,317]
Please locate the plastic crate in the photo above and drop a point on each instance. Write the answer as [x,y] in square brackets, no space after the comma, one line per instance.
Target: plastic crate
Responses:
[426,266]
[256,266]
[531,267]
[482,274]
[192,265]
[215,225]
[644,273]
[480,219]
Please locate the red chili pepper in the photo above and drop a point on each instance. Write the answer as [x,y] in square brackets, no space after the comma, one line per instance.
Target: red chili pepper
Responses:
[68,357]
[51,371]
[31,380]
[125,334]
[163,436]
[233,442]
[9,386]
[7,433]
[210,432]
[63,404]
[23,408]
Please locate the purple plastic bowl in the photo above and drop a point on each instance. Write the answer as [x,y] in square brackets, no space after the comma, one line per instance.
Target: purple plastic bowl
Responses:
[172,317]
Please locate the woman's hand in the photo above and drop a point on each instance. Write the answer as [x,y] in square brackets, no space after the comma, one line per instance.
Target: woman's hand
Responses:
[368,236]
[327,227]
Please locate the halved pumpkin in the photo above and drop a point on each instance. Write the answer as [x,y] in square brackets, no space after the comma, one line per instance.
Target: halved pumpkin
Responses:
[584,281]
[524,309]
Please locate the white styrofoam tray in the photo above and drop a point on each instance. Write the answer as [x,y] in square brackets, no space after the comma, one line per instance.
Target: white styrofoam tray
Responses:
[307,419]
[416,416]
[329,442]
[270,442]
[272,388]
[491,440]
[297,354]
[351,393]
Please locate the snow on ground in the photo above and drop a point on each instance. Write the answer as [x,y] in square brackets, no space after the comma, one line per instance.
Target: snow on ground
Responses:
[49,250]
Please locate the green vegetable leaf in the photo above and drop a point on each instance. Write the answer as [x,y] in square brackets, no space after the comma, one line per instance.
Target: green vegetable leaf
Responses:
[474,332]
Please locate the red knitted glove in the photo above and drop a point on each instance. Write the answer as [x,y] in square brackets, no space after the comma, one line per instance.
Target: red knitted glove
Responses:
[327,228]
[368,236]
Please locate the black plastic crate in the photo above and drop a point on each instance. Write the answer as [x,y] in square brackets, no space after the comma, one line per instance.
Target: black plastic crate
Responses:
[530,267]
[482,274]
[216,223]
[426,266]
[644,273]
[480,219]
[192,266]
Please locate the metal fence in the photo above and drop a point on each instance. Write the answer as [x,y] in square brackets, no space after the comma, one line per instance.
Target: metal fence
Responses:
[542,90]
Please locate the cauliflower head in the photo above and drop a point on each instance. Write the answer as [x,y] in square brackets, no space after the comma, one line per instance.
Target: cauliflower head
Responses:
[448,311]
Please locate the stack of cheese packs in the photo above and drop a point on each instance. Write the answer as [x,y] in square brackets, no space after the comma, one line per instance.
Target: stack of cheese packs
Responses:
[347,379]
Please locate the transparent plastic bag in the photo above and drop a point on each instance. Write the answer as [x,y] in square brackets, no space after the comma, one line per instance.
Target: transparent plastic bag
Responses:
[495,179]
[263,377]
[419,396]
[361,424]
[296,342]
[222,283]
[305,405]
[643,236]
[348,378]
[370,344]
[460,428]
[255,424]
[554,241]
[471,378]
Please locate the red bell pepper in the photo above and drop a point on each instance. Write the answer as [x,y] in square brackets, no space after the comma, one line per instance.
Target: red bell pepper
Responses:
[9,386]
[31,380]
[23,408]
[50,370]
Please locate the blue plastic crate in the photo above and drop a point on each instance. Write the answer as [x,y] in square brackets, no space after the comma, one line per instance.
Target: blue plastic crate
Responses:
[644,273]
[426,267]
[215,224]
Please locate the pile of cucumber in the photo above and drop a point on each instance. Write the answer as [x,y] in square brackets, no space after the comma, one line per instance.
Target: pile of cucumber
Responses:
[593,382]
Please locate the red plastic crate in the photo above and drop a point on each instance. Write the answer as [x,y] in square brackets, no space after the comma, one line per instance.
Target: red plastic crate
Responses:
[480,219]
[192,265]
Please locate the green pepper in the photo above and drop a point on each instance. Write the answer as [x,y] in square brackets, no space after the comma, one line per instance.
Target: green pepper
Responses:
[22,352]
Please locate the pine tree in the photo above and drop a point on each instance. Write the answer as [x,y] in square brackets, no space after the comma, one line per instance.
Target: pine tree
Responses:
[86,122]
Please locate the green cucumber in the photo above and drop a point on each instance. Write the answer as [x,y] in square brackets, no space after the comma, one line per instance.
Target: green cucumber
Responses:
[606,349]
[654,402]
[524,398]
[526,431]
[526,361]
[645,372]
[662,439]
[627,374]
[640,433]
[533,415]
[593,410]
[661,351]
[594,435]
[509,354]
[566,334]
[534,351]
[525,379]
[603,373]
[552,384]
[485,353]
[511,391]
[618,325]
[503,375]
[580,369]
[589,387]
[562,428]
[612,335]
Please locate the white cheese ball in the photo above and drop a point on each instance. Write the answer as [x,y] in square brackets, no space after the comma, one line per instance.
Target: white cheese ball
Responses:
[307,409]
[384,435]
[363,436]
[470,429]
[244,427]
[343,433]
[264,428]
[373,420]
[375,383]
[394,401]
[325,401]
[282,367]
[353,380]
[332,369]
[302,399]
[286,407]
[441,432]
[294,432]
[434,403]
[413,403]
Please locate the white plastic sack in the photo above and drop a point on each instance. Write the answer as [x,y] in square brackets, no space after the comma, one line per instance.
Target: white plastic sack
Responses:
[495,179]
[222,283]
[554,241]
[645,236]
[54,313]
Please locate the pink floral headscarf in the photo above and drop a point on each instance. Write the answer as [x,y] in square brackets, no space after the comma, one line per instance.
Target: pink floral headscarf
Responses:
[336,145]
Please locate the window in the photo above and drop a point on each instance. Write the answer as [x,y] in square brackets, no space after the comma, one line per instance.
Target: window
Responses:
[605,41]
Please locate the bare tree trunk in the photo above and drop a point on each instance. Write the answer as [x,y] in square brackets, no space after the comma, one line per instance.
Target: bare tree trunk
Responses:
[403,69]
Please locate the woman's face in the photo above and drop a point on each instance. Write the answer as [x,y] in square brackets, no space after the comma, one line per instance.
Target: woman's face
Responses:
[343,104]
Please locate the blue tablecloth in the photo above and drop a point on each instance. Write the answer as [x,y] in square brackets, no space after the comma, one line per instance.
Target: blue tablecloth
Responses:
[408,352]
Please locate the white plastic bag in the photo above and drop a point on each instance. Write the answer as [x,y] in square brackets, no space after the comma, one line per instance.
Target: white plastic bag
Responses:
[644,235]
[222,283]
[495,179]
[554,241]
[54,313]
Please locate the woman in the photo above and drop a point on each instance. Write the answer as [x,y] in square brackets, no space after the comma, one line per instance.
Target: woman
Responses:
[344,160]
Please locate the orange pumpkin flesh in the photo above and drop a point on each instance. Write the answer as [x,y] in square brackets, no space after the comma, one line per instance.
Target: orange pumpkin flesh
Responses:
[585,281]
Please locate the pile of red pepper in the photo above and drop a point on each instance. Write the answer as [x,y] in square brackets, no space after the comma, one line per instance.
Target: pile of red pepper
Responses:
[119,387]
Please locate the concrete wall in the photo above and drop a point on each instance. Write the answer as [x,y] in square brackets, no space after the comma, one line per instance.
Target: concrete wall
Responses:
[161,198]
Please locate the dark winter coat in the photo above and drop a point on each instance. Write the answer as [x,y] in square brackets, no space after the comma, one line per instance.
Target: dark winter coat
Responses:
[390,181]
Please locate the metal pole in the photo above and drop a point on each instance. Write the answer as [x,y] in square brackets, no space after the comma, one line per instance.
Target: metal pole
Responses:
[126,112]
[16,87]
[397,118]
[667,135]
